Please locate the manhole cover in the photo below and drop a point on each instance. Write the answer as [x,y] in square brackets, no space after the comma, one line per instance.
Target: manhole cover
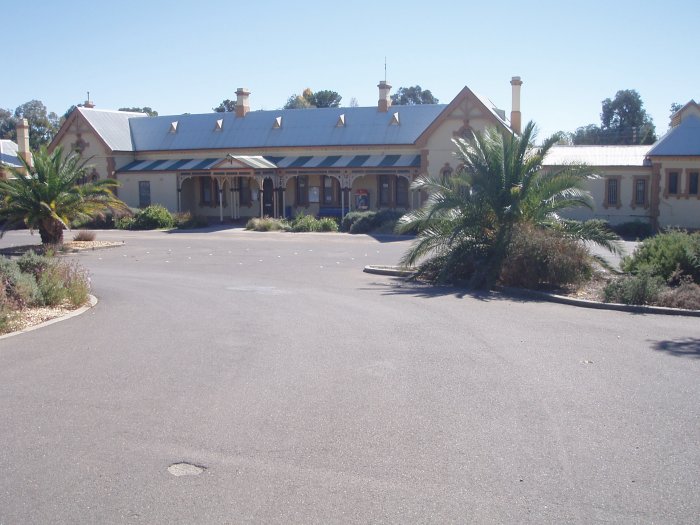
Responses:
[185,469]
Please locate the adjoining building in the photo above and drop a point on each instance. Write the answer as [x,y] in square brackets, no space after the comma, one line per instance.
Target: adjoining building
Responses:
[241,164]
[657,184]
[11,152]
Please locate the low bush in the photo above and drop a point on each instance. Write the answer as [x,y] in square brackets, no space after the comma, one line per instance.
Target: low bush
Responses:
[669,255]
[153,217]
[642,288]
[124,223]
[34,264]
[327,224]
[633,229]
[538,258]
[304,223]
[382,221]
[186,221]
[84,235]
[63,282]
[19,289]
[266,224]
[685,295]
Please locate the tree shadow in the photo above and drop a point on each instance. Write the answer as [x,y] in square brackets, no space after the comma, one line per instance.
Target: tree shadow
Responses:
[400,286]
[686,347]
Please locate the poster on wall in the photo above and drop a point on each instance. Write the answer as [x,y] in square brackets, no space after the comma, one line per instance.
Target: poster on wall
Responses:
[362,200]
[314,194]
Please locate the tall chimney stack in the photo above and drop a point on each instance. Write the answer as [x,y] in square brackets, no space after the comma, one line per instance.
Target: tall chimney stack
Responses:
[88,103]
[23,141]
[242,103]
[515,116]
[384,98]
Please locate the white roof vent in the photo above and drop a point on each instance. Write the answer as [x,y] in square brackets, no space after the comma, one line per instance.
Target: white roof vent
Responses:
[341,122]
[395,119]
[173,127]
[278,123]
[219,124]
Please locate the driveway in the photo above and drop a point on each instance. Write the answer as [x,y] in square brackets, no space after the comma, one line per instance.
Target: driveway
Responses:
[310,392]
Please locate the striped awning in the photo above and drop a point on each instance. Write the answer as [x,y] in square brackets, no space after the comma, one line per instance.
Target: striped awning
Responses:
[254,162]
[348,161]
[261,163]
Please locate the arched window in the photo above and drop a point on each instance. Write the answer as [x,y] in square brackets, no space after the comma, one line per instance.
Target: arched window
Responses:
[446,173]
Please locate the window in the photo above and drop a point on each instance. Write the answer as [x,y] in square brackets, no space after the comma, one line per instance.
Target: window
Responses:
[385,186]
[612,192]
[302,190]
[640,192]
[209,192]
[144,193]
[331,191]
[693,183]
[672,185]
[402,192]
[244,189]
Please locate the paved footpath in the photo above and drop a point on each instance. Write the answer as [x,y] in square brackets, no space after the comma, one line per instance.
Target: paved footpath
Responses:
[299,389]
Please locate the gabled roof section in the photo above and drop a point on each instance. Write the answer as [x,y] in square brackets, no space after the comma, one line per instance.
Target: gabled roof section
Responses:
[111,126]
[301,127]
[466,93]
[681,141]
[8,154]
[597,155]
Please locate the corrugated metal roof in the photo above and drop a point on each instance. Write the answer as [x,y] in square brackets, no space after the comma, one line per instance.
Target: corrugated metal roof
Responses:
[8,154]
[681,141]
[597,155]
[300,127]
[112,126]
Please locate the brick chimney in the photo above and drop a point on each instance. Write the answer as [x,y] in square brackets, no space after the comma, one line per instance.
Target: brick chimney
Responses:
[89,103]
[384,97]
[242,103]
[23,141]
[515,116]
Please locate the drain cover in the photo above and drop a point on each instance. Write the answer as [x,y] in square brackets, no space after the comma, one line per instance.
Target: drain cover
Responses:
[185,469]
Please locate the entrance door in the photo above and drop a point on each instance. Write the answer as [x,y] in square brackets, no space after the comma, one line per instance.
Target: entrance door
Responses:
[268,190]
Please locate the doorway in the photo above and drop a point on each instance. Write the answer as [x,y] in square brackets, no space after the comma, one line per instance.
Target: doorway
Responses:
[268,198]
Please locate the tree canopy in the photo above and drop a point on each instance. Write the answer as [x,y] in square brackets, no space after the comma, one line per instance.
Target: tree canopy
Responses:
[623,120]
[308,99]
[225,106]
[147,110]
[409,96]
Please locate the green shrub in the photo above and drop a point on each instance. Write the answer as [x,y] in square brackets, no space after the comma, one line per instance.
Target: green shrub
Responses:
[304,223]
[642,288]
[18,288]
[633,229]
[64,281]
[327,224]
[32,263]
[124,223]
[186,221]
[153,217]
[266,224]
[668,255]
[382,221]
[538,258]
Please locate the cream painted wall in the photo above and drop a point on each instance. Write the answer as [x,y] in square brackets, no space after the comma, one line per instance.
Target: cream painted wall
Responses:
[163,189]
[680,210]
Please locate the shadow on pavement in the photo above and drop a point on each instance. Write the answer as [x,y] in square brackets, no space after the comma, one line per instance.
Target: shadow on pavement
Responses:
[399,286]
[687,347]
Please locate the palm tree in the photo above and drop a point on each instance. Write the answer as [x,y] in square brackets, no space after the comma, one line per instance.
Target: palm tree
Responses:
[466,225]
[49,195]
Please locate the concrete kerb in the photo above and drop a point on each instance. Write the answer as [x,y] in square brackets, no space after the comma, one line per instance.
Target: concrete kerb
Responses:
[92,301]
[554,298]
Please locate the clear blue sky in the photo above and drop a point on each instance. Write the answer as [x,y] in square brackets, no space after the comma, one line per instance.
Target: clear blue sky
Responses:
[182,56]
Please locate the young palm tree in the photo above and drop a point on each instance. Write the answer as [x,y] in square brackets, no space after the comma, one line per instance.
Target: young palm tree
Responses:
[466,224]
[49,195]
